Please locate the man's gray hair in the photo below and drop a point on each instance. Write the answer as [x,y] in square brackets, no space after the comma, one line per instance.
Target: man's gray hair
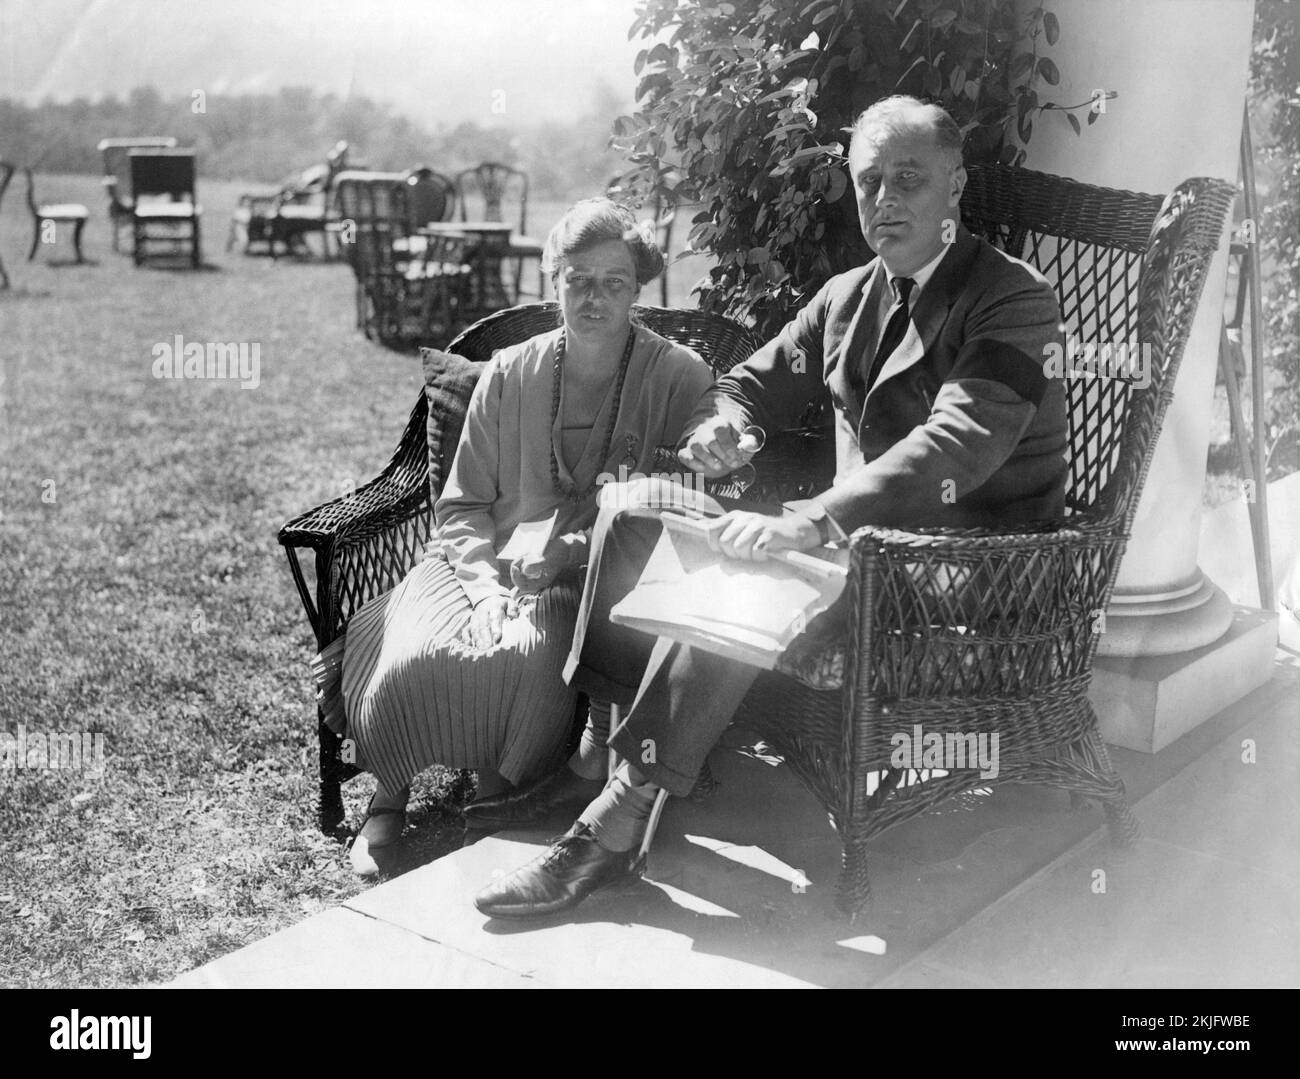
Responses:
[902,114]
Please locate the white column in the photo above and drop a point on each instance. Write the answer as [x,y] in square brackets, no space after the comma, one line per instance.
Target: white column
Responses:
[1180,68]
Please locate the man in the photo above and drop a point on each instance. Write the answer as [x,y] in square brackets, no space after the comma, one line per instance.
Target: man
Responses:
[932,356]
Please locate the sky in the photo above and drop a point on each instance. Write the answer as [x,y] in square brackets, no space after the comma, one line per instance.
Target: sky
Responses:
[440,61]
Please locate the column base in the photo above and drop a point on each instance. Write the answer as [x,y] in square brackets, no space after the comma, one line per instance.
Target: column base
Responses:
[1146,702]
[1190,618]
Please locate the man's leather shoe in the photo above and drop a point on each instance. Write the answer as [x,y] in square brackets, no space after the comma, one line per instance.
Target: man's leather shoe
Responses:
[568,871]
[563,790]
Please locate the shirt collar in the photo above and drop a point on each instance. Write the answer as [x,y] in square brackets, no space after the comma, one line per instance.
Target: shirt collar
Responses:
[920,277]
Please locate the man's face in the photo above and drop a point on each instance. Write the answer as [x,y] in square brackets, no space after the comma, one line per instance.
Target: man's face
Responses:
[907,189]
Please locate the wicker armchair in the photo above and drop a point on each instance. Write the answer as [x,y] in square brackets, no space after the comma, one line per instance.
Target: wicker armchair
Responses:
[407,291]
[117,176]
[974,632]
[365,542]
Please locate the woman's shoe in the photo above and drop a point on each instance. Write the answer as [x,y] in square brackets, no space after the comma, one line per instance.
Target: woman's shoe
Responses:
[383,827]
[563,789]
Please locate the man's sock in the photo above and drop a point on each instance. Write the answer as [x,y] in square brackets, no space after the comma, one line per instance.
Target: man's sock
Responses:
[592,757]
[619,814]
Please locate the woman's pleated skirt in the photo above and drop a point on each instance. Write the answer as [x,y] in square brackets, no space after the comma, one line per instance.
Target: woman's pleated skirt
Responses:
[412,694]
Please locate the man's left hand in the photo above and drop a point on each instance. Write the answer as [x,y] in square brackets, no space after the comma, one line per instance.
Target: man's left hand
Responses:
[754,536]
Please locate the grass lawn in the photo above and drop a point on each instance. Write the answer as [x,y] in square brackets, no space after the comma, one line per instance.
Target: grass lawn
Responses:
[143,595]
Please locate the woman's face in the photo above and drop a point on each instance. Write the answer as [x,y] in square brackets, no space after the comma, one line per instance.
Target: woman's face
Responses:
[597,286]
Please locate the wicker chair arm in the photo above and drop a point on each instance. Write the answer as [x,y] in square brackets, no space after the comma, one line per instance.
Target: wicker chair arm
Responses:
[363,538]
[960,540]
[977,613]
[360,531]
[390,498]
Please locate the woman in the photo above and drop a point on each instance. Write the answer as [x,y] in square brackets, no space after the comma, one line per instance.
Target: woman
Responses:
[460,663]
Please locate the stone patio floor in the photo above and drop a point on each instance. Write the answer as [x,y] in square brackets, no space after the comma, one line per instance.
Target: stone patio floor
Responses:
[1008,888]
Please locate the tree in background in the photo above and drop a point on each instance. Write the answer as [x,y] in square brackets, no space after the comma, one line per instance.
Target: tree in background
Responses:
[270,137]
[237,136]
[1275,92]
[743,106]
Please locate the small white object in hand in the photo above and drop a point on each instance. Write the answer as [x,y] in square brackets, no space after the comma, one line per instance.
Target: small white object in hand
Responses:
[751,439]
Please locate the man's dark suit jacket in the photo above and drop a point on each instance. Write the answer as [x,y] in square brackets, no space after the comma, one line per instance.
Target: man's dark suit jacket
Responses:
[962,427]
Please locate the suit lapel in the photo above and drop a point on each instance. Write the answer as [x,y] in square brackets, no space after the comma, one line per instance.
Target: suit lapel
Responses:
[931,309]
[855,349]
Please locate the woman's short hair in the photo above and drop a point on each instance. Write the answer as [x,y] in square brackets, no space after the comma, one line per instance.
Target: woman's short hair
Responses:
[594,221]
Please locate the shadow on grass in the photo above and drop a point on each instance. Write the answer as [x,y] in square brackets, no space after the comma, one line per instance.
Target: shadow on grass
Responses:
[299,258]
[66,263]
[177,265]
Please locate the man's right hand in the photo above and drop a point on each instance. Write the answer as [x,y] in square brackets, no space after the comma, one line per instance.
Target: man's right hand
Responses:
[487,621]
[713,448]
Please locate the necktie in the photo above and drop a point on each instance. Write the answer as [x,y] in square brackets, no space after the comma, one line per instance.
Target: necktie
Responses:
[895,328]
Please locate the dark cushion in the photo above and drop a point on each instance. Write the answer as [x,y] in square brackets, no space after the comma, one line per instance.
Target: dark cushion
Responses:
[449,381]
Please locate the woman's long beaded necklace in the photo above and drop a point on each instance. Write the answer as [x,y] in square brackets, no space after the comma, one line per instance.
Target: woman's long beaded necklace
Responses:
[568,490]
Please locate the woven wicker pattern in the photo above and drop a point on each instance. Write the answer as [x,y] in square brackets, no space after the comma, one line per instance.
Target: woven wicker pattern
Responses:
[1090,242]
[967,631]
[404,296]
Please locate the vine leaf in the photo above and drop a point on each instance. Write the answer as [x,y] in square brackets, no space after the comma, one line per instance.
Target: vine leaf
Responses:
[747,104]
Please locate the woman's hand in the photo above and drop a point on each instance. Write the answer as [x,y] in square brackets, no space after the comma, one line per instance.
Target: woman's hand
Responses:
[753,536]
[532,573]
[487,621]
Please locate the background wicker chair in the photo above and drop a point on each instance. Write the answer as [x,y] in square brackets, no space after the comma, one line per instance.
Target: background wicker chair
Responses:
[365,542]
[363,201]
[409,286]
[960,631]
[117,175]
